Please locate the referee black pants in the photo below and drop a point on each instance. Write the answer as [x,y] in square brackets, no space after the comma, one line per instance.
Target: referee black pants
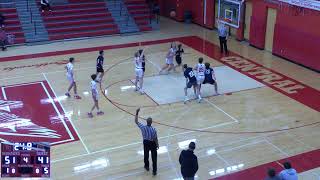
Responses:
[223,44]
[150,146]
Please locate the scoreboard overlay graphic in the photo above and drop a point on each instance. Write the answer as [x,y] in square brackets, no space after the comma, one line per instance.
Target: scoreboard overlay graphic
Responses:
[31,112]
[25,159]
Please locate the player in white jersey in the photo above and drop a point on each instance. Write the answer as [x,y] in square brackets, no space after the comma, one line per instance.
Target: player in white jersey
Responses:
[138,61]
[95,95]
[200,69]
[71,79]
[169,59]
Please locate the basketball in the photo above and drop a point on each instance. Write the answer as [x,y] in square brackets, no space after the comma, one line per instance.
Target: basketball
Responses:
[172,14]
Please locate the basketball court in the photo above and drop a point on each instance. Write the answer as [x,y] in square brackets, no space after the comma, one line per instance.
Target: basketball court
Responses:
[267,111]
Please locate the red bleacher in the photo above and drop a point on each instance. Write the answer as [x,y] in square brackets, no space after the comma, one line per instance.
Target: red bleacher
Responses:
[79,19]
[12,24]
[141,13]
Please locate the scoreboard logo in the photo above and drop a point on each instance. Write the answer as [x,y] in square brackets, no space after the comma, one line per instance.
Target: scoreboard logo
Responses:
[31,112]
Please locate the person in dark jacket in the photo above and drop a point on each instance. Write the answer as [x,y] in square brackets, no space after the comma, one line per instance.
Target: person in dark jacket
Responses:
[3,39]
[272,175]
[2,18]
[45,5]
[188,162]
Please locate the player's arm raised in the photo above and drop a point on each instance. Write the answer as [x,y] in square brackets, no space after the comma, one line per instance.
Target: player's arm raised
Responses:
[143,50]
[136,116]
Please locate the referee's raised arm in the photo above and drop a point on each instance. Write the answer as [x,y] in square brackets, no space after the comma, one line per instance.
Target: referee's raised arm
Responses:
[150,142]
[136,117]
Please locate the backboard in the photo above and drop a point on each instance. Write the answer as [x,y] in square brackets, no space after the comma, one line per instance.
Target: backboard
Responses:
[229,12]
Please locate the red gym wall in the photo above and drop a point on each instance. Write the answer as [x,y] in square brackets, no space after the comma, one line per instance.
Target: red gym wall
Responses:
[296,38]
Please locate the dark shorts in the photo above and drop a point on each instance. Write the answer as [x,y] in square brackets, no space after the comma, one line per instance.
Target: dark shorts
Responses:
[190,84]
[209,81]
[144,66]
[178,60]
[100,69]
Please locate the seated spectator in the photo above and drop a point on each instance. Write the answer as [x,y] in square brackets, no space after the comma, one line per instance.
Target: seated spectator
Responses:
[288,173]
[272,175]
[3,39]
[45,5]
[2,18]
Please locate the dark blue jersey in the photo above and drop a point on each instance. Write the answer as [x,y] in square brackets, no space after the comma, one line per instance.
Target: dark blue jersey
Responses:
[179,52]
[100,60]
[189,74]
[208,74]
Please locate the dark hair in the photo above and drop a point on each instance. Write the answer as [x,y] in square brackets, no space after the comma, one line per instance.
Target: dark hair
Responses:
[271,172]
[179,46]
[207,65]
[100,52]
[185,66]
[200,60]
[140,51]
[192,145]
[149,121]
[287,165]
[93,76]
[71,59]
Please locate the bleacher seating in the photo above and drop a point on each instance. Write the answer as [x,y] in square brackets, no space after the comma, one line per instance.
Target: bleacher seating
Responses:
[83,18]
[141,13]
[12,24]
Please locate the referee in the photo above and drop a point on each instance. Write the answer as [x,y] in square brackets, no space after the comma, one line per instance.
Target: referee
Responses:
[223,33]
[150,142]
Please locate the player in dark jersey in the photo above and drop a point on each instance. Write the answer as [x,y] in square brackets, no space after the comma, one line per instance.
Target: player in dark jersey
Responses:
[210,77]
[100,69]
[143,60]
[178,57]
[191,81]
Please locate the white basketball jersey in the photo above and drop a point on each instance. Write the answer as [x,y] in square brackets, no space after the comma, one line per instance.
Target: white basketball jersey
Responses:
[138,62]
[201,68]
[94,87]
[171,54]
[69,69]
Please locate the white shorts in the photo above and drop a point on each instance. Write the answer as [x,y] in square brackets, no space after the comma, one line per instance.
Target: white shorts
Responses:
[95,97]
[139,73]
[169,61]
[200,79]
[70,79]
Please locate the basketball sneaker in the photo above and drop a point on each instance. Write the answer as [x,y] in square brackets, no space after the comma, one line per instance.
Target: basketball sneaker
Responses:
[185,99]
[100,113]
[90,115]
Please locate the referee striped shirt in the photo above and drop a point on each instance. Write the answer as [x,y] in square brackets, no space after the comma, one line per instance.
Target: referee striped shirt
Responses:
[148,132]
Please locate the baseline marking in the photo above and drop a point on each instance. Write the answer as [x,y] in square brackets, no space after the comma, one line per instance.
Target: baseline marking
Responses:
[56,109]
[75,129]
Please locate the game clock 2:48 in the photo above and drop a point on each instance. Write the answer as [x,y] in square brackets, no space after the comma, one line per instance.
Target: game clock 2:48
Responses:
[25,159]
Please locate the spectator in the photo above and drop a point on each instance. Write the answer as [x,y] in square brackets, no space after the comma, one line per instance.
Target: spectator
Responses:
[223,33]
[188,162]
[3,39]
[45,5]
[272,175]
[2,18]
[288,173]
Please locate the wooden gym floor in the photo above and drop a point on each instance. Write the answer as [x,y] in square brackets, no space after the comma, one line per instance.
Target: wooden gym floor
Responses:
[233,132]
